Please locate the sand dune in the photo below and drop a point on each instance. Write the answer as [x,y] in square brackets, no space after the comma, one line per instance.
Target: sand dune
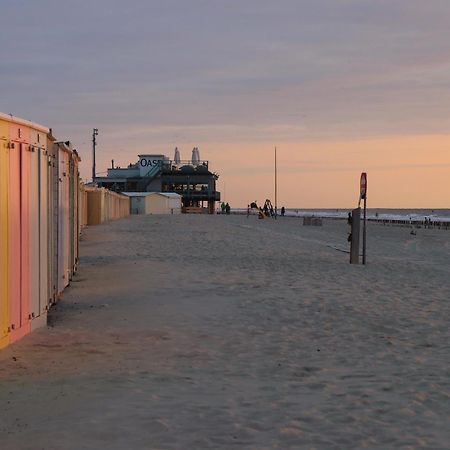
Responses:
[189,332]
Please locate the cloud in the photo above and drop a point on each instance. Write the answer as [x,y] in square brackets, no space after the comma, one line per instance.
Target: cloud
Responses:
[228,70]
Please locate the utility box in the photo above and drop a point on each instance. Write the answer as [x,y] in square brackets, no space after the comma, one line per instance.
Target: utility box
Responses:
[354,236]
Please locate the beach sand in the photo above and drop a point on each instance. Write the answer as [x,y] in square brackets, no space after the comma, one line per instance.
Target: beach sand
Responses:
[195,332]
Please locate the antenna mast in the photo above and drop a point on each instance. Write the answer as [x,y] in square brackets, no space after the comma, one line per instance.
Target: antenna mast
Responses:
[94,143]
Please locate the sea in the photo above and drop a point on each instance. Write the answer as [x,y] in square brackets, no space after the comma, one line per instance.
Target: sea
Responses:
[436,215]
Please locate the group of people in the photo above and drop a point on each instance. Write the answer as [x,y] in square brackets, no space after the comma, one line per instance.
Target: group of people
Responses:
[428,223]
[266,211]
[225,208]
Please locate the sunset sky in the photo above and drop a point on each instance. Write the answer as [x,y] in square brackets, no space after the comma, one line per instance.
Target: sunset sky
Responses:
[339,86]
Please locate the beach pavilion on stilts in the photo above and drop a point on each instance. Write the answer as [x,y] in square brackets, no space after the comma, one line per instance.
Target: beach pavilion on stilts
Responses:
[191,179]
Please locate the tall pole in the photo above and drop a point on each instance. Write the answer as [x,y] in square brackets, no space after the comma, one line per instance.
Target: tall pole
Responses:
[363,196]
[276,209]
[364,229]
[94,143]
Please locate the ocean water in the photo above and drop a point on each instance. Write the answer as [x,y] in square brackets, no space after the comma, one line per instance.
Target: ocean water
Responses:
[381,213]
[438,215]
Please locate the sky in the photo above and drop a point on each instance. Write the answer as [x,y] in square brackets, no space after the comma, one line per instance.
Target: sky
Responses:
[338,86]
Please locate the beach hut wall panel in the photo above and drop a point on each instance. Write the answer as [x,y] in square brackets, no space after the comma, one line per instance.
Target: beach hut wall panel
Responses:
[4,263]
[44,223]
[83,206]
[139,203]
[175,204]
[164,203]
[14,236]
[104,205]
[39,192]
[19,230]
[34,230]
[25,218]
[124,206]
[53,198]
[95,206]
[118,206]
[72,217]
[63,219]
[76,198]
[75,212]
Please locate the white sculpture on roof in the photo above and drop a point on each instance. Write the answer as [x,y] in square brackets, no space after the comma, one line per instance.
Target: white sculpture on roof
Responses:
[195,156]
[177,157]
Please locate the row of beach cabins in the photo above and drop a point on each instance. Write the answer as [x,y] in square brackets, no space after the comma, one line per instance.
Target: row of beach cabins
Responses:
[43,207]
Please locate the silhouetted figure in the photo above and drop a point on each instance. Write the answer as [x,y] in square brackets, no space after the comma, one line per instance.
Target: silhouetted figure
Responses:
[349,218]
[227,208]
[282,211]
[261,213]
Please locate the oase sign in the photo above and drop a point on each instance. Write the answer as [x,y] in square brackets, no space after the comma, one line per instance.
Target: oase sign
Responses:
[148,162]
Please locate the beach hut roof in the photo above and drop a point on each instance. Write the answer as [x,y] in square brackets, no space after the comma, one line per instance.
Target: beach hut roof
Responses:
[166,194]
[27,123]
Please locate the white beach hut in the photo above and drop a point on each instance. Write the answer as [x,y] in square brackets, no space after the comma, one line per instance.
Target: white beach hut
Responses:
[154,202]
[139,202]
[164,203]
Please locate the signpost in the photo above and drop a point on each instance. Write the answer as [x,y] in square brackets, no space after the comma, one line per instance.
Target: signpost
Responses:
[363,196]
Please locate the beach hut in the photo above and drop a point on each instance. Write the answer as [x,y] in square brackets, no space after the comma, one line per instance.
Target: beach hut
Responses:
[139,202]
[164,203]
[154,202]
[23,227]
[64,222]
[39,225]
[4,263]
[103,205]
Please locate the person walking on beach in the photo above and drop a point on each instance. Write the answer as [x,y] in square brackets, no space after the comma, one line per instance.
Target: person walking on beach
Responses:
[282,211]
[222,207]
[248,210]
[227,208]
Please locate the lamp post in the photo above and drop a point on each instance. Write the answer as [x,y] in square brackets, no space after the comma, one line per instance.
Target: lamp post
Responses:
[276,206]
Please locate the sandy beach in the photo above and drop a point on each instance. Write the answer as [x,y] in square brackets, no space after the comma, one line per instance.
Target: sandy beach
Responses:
[206,332]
